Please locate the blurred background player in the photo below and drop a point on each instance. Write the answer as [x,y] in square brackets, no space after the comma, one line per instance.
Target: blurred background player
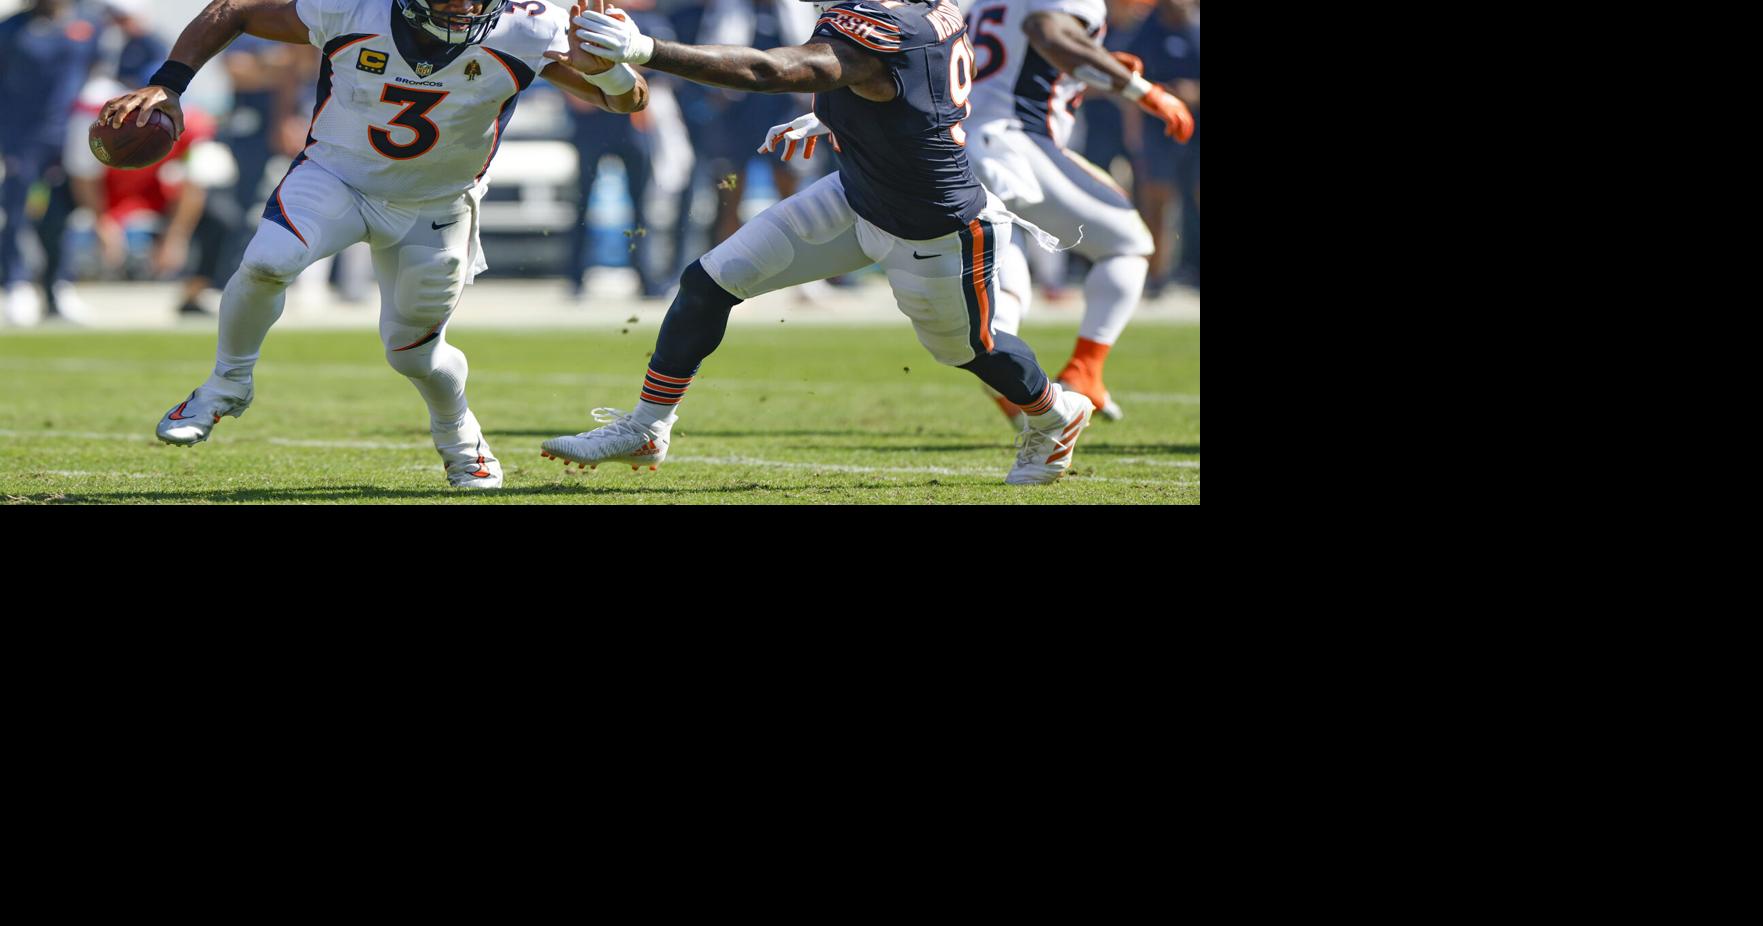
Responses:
[130,50]
[721,121]
[46,53]
[181,205]
[630,139]
[171,205]
[1168,42]
[893,80]
[414,96]
[1034,58]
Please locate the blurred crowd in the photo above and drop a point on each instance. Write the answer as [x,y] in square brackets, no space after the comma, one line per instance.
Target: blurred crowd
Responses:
[648,192]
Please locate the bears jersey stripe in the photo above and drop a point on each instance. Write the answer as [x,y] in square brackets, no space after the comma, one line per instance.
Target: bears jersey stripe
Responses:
[874,42]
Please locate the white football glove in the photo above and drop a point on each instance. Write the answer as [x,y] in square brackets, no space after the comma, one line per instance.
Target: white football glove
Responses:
[795,131]
[613,36]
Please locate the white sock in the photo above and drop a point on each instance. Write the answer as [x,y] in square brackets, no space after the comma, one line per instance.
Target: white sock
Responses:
[1111,294]
[250,305]
[1052,417]
[650,413]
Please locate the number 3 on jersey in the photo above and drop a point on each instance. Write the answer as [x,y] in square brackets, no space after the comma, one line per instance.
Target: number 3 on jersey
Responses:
[417,104]
[960,86]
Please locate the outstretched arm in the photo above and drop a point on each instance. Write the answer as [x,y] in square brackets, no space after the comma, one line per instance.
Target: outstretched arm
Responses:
[576,84]
[1062,40]
[212,30]
[812,68]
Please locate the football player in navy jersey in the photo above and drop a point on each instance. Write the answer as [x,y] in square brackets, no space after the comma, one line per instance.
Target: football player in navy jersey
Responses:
[892,80]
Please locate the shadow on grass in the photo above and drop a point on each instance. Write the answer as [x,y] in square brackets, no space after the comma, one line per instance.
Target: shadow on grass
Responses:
[1138,450]
[371,494]
[689,432]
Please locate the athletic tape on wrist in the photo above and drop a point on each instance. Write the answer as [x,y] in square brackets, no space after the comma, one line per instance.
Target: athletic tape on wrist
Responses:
[174,76]
[616,82]
[1136,88]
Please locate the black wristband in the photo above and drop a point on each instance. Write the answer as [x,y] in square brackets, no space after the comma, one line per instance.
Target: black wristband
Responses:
[174,76]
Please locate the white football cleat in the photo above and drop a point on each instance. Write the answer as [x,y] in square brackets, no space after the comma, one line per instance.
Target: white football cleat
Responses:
[623,439]
[467,456]
[24,308]
[1105,406]
[1045,452]
[192,421]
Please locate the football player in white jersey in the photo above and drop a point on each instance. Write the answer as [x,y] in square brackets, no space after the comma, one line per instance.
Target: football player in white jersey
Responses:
[413,97]
[1034,60]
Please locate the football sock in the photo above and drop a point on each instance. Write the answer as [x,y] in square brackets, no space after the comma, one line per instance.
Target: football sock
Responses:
[1111,294]
[250,305]
[438,370]
[1011,369]
[1015,291]
[1087,359]
[1038,410]
[693,329]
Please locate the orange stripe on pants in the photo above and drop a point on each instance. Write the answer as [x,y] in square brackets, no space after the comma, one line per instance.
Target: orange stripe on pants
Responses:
[979,283]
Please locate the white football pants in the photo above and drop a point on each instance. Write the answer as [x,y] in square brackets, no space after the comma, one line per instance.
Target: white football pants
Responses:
[1058,190]
[423,252]
[947,286]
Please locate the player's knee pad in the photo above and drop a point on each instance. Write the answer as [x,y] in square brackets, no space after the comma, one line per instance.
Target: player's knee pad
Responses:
[756,253]
[699,290]
[430,281]
[273,259]
[424,358]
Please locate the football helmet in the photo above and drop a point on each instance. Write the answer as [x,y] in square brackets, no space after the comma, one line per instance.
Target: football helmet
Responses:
[453,28]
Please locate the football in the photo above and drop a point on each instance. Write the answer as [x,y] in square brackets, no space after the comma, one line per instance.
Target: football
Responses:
[133,147]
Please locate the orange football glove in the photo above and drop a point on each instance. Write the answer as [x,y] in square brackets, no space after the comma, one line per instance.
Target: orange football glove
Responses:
[1178,120]
[1130,61]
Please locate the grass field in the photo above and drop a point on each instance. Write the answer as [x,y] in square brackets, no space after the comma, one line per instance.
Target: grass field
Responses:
[784,415]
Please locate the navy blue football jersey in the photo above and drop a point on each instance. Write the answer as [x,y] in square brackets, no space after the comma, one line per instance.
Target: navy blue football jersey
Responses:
[904,162]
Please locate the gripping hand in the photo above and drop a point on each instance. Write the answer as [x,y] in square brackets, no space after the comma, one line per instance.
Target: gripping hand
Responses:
[613,36]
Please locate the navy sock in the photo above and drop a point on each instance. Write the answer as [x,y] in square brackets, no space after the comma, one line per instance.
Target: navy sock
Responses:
[1012,370]
[692,330]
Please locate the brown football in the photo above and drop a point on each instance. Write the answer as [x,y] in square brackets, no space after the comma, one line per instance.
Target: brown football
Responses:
[133,147]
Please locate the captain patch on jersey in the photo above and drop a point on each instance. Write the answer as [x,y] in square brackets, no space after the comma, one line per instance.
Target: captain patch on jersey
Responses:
[401,120]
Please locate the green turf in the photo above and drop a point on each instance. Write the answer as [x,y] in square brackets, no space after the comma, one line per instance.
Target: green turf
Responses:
[784,415]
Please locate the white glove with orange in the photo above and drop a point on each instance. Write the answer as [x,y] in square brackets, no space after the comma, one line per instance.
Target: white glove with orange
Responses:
[805,131]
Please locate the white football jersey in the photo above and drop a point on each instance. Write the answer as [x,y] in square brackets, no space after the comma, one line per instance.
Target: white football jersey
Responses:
[1011,81]
[401,126]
